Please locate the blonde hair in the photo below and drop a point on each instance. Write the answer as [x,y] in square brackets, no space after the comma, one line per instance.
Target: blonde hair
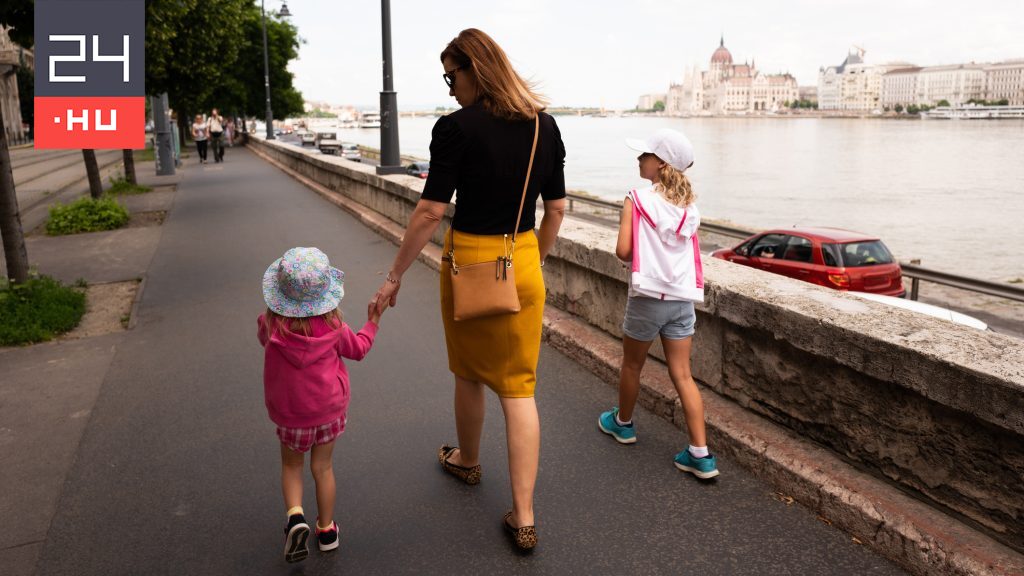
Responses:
[502,91]
[275,323]
[674,186]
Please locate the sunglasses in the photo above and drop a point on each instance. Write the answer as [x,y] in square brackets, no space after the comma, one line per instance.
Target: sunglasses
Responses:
[449,77]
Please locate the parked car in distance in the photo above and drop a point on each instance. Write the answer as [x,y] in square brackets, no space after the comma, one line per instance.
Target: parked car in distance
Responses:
[327,142]
[351,151]
[830,257]
[418,169]
[307,138]
[928,309]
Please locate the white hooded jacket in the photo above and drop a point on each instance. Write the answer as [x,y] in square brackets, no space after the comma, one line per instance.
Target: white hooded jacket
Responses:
[666,252]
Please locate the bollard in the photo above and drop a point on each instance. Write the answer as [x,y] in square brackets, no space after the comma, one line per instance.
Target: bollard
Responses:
[163,143]
[915,282]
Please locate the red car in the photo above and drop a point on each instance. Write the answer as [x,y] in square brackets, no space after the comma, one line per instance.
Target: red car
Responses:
[828,257]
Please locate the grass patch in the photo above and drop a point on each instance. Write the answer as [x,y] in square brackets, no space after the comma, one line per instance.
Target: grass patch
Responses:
[119,185]
[86,215]
[145,155]
[38,310]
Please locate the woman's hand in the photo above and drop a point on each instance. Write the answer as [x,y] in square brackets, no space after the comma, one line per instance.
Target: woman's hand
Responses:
[387,294]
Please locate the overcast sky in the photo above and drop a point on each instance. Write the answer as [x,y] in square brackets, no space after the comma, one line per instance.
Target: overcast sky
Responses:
[605,52]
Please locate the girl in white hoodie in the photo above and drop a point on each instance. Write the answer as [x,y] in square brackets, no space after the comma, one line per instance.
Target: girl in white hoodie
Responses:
[658,238]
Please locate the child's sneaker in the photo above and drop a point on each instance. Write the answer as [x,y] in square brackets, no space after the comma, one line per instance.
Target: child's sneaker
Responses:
[705,467]
[296,534]
[608,425]
[327,539]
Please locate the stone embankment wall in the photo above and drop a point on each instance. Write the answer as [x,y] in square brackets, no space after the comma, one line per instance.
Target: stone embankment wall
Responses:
[935,408]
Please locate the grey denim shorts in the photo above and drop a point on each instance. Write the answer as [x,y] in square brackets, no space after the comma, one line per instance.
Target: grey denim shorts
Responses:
[646,318]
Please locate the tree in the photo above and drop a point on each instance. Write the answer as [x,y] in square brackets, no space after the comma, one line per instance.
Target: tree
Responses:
[943,102]
[190,45]
[913,109]
[898,108]
[659,106]
[210,55]
[92,170]
[10,220]
[129,166]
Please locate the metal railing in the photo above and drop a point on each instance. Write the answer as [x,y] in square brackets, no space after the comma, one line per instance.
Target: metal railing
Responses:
[912,270]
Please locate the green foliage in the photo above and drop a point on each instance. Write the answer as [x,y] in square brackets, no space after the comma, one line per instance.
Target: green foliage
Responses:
[659,106]
[943,102]
[210,55]
[981,102]
[146,155]
[120,185]
[20,16]
[38,310]
[898,108]
[913,109]
[86,215]
[318,113]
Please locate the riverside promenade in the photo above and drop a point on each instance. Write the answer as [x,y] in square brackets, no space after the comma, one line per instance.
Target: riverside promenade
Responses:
[177,469]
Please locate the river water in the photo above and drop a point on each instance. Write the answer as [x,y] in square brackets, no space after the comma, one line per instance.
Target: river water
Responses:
[948,192]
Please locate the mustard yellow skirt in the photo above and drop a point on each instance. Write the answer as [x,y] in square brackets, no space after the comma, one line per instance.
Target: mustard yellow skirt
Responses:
[500,351]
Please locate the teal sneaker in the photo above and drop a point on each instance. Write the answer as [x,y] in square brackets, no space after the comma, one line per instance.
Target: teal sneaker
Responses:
[608,425]
[703,468]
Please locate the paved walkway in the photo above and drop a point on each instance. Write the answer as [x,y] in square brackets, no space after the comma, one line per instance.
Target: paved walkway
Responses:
[177,469]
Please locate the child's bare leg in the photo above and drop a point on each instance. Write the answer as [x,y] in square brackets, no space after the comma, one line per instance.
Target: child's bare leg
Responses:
[291,477]
[634,354]
[677,353]
[322,466]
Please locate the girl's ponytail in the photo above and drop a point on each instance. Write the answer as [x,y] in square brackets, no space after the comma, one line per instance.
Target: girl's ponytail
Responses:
[674,186]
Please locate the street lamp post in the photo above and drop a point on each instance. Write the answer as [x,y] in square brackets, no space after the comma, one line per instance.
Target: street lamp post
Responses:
[266,64]
[390,159]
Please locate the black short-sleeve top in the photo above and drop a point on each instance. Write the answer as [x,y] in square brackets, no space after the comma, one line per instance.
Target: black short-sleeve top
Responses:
[485,158]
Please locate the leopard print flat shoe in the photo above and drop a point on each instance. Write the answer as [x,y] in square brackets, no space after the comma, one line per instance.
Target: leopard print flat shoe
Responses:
[525,536]
[470,475]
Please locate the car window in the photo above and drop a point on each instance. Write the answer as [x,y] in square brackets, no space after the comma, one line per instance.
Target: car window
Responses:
[831,254]
[769,246]
[870,253]
[798,249]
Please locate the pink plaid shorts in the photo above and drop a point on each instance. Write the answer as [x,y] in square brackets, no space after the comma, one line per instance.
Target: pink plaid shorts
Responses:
[302,439]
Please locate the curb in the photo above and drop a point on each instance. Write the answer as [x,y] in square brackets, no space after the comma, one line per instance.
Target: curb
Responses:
[916,536]
[134,313]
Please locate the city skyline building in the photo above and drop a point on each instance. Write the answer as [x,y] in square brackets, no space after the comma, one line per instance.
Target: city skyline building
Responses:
[730,88]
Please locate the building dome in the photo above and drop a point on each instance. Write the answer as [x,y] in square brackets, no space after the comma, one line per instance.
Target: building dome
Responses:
[722,54]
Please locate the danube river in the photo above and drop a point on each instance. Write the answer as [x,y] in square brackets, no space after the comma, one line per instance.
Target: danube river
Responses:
[948,192]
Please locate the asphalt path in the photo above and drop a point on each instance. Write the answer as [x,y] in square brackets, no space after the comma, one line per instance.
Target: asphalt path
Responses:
[178,468]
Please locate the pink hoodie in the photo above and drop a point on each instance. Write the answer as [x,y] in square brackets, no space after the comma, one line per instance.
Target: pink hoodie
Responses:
[305,383]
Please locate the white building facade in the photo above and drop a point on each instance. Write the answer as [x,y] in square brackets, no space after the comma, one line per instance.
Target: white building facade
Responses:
[854,85]
[728,88]
[1005,80]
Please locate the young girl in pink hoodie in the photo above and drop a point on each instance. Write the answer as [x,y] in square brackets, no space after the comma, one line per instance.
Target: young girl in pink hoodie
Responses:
[305,382]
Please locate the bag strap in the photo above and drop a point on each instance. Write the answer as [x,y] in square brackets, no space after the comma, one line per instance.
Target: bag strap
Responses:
[529,169]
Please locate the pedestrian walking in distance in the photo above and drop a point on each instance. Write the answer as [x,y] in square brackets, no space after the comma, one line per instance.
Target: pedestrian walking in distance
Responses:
[305,382]
[658,238]
[200,133]
[216,125]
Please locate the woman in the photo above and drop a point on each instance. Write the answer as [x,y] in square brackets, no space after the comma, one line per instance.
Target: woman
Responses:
[483,149]
[199,134]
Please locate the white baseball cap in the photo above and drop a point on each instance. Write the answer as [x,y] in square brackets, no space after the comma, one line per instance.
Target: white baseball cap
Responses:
[672,147]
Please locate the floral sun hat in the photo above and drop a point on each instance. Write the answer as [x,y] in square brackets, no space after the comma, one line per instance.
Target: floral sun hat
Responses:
[302,284]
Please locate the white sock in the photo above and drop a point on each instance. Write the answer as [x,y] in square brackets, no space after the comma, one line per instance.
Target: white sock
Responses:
[698,451]
[620,422]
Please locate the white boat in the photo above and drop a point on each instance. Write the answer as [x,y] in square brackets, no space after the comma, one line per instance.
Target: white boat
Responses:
[370,120]
[974,112]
